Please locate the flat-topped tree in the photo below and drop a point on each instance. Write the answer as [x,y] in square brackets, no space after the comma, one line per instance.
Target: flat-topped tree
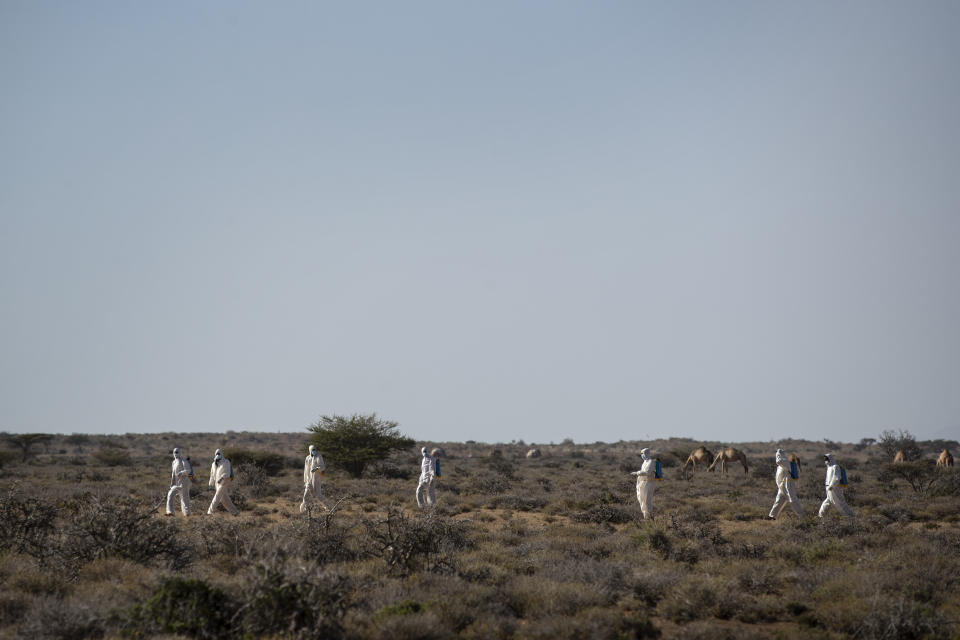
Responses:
[25,442]
[353,443]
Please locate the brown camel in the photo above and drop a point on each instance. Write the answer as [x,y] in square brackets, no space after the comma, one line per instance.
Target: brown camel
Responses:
[728,455]
[899,458]
[700,455]
[946,459]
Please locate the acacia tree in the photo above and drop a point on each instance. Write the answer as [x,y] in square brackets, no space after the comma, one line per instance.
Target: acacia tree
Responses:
[891,442]
[353,443]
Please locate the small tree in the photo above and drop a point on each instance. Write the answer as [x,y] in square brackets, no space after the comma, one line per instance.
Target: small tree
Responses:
[353,443]
[25,442]
[891,442]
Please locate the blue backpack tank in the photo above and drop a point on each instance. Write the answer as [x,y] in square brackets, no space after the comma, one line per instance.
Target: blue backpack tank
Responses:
[794,471]
[657,470]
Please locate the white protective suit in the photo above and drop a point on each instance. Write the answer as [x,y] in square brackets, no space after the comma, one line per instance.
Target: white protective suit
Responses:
[786,489]
[834,491]
[426,491]
[221,475]
[645,482]
[180,483]
[313,468]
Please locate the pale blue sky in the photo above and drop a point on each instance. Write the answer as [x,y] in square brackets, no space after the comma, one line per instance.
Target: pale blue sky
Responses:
[493,220]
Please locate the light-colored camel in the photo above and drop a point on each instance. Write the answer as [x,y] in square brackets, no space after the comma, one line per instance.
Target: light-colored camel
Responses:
[946,459]
[700,455]
[729,455]
[899,458]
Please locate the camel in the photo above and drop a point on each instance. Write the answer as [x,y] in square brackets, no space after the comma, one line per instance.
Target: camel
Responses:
[899,458]
[946,459]
[728,455]
[700,455]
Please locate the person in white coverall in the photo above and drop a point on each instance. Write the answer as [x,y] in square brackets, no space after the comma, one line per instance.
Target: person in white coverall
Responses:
[180,483]
[313,468]
[786,491]
[221,474]
[834,491]
[426,491]
[645,482]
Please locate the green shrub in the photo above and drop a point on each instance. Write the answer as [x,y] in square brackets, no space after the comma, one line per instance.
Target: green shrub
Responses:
[354,443]
[269,462]
[295,603]
[183,606]
[112,457]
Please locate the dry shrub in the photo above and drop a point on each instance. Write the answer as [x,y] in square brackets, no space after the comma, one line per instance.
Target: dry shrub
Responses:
[52,618]
[410,625]
[603,513]
[699,598]
[325,538]
[538,597]
[121,527]
[184,607]
[26,524]
[520,503]
[113,457]
[427,540]
[295,601]
[902,619]
[651,586]
[592,624]
[605,578]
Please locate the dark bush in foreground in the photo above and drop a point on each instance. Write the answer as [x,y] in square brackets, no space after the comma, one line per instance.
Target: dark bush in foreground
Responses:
[53,618]
[186,607]
[301,603]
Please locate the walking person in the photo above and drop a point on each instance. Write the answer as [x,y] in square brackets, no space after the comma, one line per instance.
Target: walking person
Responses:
[834,486]
[221,475]
[786,489]
[180,476]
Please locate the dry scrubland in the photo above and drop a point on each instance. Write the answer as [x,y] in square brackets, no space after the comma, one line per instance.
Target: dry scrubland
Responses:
[544,548]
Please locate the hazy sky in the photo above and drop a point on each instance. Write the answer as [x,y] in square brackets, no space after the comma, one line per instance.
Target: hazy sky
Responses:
[489,220]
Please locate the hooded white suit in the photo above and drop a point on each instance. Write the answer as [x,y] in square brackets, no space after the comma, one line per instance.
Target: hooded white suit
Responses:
[786,493]
[834,490]
[426,491]
[180,483]
[313,468]
[645,482]
[221,475]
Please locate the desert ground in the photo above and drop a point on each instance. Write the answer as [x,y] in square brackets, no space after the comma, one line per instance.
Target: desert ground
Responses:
[517,547]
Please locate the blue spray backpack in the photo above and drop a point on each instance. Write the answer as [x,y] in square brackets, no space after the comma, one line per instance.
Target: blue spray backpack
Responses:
[843,477]
[657,470]
[436,467]
[794,471]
